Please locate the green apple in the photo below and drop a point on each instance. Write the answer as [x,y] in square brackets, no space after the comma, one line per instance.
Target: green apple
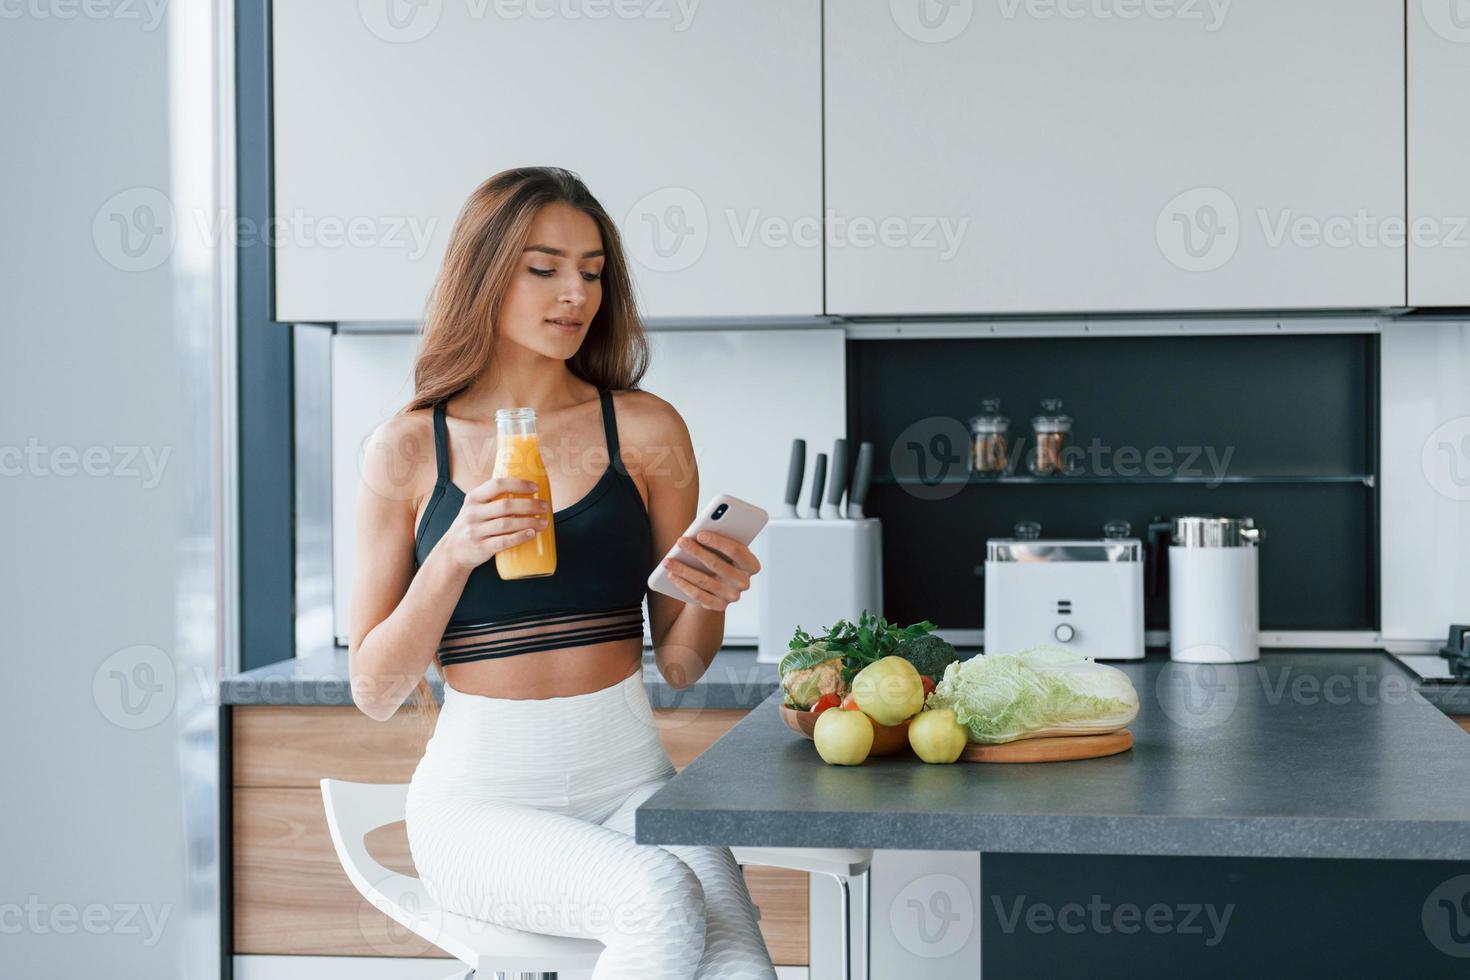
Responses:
[888,690]
[936,736]
[843,737]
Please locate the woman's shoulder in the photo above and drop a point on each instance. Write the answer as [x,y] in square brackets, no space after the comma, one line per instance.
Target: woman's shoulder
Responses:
[645,419]
[398,459]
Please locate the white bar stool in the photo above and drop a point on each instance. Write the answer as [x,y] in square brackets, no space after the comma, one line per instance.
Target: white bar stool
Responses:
[356,809]
[842,865]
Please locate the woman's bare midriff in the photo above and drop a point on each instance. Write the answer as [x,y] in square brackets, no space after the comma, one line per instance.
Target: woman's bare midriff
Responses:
[549,673]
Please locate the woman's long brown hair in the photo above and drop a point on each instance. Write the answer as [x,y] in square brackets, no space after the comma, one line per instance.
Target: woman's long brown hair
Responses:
[484,253]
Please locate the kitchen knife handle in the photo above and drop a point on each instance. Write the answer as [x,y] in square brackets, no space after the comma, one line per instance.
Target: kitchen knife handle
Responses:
[819,478]
[795,473]
[839,475]
[862,477]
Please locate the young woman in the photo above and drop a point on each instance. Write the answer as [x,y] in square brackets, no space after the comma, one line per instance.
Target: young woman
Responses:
[521,810]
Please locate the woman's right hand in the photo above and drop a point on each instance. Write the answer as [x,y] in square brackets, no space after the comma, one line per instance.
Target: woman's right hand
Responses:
[491,521]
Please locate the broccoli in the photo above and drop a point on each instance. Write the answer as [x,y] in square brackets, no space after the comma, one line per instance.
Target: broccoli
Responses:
[928,653]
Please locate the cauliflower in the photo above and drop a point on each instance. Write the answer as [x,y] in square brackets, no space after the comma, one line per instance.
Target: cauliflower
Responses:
[805,685]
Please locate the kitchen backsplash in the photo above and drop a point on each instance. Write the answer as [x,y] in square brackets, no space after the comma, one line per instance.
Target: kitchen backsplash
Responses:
[1286,429]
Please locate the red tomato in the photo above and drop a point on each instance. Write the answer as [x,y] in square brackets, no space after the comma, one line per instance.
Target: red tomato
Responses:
[849,703]
[824,702]
[928,685]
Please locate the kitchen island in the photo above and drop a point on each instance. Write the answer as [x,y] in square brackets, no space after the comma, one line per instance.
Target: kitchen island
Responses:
[1331,759]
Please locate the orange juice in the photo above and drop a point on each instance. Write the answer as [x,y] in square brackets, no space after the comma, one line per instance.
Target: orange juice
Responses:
[518,455]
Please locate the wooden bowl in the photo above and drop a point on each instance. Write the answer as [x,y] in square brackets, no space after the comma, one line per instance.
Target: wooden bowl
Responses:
[887,739]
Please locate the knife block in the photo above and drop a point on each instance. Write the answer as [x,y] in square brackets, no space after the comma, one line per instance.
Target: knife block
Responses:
[813,573]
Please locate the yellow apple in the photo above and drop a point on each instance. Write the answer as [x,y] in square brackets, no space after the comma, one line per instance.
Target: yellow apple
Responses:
[936,736]
[843,737]
[888,690]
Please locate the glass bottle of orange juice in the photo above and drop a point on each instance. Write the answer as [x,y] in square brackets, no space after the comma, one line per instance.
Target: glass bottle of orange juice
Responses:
[518,455]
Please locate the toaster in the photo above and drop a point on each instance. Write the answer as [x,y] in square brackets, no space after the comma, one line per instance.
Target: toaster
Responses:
[1085,594]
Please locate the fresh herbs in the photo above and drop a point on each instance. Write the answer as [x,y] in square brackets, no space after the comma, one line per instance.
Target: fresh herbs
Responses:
[871,639]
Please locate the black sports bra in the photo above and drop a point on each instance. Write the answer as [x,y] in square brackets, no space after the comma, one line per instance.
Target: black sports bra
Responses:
[604,554]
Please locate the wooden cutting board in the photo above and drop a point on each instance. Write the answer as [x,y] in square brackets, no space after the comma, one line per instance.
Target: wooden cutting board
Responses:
[1062,748]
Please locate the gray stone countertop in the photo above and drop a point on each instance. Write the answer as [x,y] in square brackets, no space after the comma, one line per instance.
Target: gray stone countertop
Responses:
[1303,754]
[734,680]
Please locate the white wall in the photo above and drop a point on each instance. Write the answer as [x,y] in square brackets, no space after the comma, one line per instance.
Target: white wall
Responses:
[104,362]
[1425,470]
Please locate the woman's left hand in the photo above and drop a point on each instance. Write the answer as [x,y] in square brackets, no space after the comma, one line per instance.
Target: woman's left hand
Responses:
[731,575]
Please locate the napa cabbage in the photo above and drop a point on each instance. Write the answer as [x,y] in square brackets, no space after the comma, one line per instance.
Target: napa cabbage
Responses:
[1038,692]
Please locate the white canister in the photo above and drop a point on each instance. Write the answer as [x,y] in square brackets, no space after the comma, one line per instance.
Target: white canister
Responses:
[1214,590]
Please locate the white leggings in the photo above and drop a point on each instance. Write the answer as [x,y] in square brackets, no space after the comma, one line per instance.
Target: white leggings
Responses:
[521,813]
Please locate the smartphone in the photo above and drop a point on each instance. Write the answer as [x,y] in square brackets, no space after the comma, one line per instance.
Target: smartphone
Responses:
[727,515]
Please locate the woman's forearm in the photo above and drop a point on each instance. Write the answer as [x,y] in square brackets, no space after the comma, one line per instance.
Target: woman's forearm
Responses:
[690,644]
[394,655]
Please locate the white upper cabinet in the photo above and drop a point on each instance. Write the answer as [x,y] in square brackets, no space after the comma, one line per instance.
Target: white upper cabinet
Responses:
[696,124]
[1070,156]
[1439,152]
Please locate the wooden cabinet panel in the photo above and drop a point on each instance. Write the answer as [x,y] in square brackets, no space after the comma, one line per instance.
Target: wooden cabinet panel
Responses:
[282,745]
[278,745]
[291,895]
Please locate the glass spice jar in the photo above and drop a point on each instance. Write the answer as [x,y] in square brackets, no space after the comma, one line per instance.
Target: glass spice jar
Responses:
[990,452]
[1051,431]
